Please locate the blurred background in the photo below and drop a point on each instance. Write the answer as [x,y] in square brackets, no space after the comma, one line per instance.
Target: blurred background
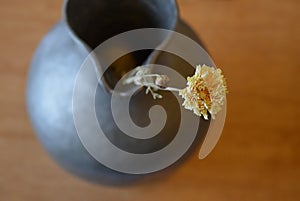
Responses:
[255,42]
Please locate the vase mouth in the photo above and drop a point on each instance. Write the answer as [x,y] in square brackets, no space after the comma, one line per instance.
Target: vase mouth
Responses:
[94,21]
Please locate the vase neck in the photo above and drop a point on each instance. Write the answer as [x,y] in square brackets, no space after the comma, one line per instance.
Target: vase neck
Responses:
[94,21]
[91,22]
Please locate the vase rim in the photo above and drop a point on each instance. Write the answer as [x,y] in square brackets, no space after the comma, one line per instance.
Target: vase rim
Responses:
[167,22]
[79,40]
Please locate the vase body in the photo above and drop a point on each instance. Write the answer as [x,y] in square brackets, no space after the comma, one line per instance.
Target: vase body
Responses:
[86,24]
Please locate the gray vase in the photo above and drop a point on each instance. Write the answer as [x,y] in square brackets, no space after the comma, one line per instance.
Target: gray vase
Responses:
[85,25]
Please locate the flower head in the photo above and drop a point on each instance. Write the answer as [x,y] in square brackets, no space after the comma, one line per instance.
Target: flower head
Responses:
[205,92]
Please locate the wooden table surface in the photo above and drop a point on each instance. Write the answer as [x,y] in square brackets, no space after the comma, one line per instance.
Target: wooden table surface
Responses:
[256,42]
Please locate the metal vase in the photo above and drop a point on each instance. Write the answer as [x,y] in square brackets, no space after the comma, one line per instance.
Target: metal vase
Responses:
[85,25]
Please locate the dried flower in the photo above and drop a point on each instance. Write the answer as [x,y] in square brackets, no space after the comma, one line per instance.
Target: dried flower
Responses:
[205,91]
[162,81]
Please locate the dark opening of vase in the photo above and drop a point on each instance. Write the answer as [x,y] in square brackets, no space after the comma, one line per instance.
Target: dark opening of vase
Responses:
[95,21]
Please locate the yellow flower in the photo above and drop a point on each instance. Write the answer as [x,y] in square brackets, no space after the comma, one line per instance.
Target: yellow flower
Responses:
[205,92]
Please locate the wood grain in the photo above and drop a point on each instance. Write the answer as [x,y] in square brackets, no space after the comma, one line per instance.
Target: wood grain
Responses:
[255,42]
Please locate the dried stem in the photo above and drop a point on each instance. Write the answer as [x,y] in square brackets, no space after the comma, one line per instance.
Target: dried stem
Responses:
[154,82]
